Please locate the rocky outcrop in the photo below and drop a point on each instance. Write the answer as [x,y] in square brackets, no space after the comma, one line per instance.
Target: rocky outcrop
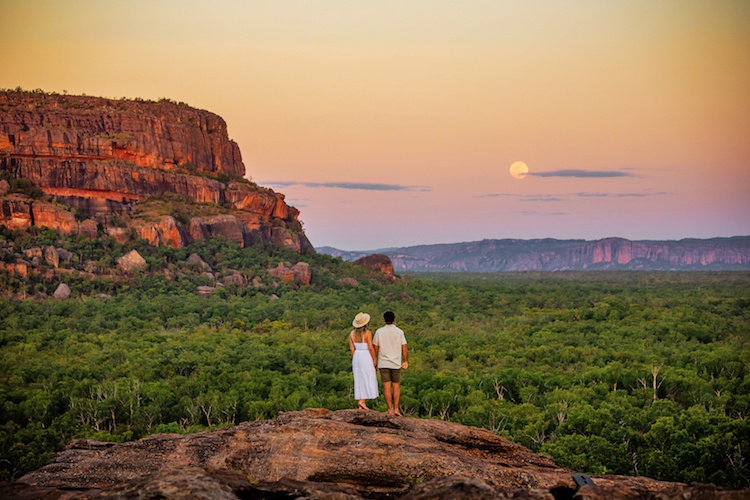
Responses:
[102,156]
[317,453]
[300,273]
[156,135]
[561,255]
[378,261]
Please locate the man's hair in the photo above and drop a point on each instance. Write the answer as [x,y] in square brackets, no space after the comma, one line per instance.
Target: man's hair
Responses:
[389,317]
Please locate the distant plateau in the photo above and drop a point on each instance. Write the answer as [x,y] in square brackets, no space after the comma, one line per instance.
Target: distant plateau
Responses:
[508,255]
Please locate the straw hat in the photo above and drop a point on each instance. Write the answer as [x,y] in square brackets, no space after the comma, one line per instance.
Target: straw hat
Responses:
[360,320]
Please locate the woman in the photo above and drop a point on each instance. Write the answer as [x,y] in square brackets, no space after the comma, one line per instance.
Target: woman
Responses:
[363,361]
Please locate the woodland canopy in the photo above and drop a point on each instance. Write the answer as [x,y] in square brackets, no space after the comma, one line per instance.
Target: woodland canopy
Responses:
[636,373]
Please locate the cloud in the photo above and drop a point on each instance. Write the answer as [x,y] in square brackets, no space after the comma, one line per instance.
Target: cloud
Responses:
[367,186]
[297,202]
[583,173]
[531,197]
[620,195]
[541,198]
[530,212]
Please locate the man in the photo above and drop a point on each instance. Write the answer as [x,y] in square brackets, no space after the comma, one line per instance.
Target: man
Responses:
[390,348]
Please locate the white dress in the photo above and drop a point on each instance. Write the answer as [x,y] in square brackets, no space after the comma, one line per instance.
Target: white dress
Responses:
[365,380]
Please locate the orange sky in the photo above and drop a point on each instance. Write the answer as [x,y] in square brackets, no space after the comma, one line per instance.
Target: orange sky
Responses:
[394,123]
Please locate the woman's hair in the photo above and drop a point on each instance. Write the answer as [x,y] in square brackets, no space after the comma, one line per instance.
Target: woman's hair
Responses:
[359,333]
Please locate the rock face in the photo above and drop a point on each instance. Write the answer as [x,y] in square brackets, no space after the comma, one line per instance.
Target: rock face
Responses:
[317,453]
[378,261]
[562,255]
[300,273]
[101,156]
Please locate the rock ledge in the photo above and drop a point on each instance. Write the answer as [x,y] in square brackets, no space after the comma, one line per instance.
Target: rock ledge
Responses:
[317,453]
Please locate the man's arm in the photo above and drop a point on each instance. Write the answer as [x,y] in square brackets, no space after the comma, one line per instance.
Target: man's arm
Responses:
[405,355]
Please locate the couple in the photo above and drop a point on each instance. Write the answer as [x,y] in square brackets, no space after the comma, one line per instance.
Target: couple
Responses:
[384,351]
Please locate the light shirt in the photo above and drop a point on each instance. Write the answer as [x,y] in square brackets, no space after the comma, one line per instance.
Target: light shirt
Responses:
[389,340]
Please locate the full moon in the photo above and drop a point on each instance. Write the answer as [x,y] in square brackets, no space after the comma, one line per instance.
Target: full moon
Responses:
[519,170]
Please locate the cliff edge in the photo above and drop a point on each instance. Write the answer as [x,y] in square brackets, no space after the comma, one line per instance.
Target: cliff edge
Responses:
[317,453]
[100,159]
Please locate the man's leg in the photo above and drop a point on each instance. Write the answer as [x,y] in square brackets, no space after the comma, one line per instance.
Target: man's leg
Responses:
[396,398]
[388,396]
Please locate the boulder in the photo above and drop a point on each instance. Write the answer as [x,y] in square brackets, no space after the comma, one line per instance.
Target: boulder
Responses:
[300,273]
[4,187]
[204,291]
[62,292]
[234,279]
[65,254]
[131,261]
[19,268]
[379,262]
[51,256]
[30,253]
[89,228]
[349,282]
[195,261]
[120,234]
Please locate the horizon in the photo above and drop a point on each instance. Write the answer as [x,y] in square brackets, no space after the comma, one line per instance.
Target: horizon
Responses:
[396,124]
[528,240]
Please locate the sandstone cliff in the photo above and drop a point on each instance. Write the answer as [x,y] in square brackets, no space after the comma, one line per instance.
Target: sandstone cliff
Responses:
[562,255]
[317,453]
[101,157]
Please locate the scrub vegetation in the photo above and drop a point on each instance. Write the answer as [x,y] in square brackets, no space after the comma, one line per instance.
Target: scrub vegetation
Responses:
[636,373]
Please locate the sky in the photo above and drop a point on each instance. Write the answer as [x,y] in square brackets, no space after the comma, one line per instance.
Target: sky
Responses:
[394,123]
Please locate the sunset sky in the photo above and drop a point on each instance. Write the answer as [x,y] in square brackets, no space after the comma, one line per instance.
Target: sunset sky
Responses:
[395,123]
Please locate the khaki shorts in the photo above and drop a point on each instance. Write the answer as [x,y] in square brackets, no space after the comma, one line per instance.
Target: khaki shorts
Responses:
[390,375]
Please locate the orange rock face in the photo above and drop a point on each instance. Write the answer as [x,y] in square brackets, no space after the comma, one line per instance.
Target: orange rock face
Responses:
[299,273]
[101,156]
[21,212]
[379,262]
[157,135]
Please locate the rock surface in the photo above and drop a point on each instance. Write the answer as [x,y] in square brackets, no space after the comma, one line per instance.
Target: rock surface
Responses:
[62,292]
[318,453]
[378,261]
[102,156]
[300,273]
[131,261]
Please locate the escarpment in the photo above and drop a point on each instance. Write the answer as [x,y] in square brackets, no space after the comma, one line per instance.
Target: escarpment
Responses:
[101,159]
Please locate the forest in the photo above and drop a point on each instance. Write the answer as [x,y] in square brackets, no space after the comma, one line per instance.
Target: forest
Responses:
[635,373]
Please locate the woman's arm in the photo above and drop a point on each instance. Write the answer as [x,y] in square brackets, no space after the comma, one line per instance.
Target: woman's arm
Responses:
[368,338]
[351,344]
